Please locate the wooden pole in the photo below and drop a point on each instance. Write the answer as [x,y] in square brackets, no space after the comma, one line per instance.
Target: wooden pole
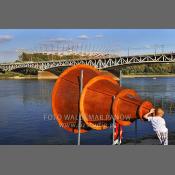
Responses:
[79,117]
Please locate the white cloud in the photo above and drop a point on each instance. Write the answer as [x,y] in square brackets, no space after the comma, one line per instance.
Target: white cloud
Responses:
[5,38]
[83,37]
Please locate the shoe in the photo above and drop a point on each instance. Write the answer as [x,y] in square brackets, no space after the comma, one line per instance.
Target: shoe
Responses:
[116,142]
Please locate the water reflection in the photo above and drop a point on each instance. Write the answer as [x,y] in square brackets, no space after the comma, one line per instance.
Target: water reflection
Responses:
[26,115]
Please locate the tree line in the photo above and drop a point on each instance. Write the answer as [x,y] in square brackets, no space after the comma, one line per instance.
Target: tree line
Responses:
[155,68]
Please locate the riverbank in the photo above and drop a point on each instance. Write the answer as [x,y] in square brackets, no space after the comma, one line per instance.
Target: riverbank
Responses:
[46,76]
[148,75]
[27,78]
[14,75]
[19,76]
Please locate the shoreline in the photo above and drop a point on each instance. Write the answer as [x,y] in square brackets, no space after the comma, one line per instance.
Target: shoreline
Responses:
[54,78]
[27,78]
[148,76]
[19,76]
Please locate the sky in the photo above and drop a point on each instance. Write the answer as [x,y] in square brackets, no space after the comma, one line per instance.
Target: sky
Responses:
[118,41]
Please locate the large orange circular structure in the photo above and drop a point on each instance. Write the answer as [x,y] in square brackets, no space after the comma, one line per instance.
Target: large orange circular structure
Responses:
[125,107]
[96,101]
[66,95]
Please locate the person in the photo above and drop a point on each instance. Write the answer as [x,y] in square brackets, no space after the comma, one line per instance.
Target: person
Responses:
[118,129]
[158,123]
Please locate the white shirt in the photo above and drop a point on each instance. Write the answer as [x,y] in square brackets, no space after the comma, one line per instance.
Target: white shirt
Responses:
[158,124]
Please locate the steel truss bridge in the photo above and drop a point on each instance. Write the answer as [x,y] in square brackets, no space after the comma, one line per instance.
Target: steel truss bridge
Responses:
[100,63]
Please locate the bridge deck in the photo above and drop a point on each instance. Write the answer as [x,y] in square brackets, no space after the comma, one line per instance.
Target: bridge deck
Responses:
[100,63]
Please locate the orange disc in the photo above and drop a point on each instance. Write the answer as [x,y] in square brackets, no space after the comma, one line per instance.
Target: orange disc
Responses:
[144,108]
[125,106]
[66,94]
[96,101]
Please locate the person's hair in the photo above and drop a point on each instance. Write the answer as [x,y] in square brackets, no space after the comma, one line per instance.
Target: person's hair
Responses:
[159,111]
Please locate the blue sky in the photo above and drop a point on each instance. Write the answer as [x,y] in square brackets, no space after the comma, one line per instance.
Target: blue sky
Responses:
[114,40]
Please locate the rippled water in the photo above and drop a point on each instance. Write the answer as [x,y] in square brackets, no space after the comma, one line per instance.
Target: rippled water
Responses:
[26,115]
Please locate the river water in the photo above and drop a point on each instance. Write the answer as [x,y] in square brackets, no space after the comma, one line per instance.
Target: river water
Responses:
[26,115]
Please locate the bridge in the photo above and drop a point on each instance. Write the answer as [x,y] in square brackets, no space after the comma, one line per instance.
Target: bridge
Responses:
[100,63]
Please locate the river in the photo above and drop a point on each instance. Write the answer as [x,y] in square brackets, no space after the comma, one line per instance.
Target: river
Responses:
[26,114]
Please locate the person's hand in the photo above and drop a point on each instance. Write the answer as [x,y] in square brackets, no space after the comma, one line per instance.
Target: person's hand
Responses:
[152,111]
